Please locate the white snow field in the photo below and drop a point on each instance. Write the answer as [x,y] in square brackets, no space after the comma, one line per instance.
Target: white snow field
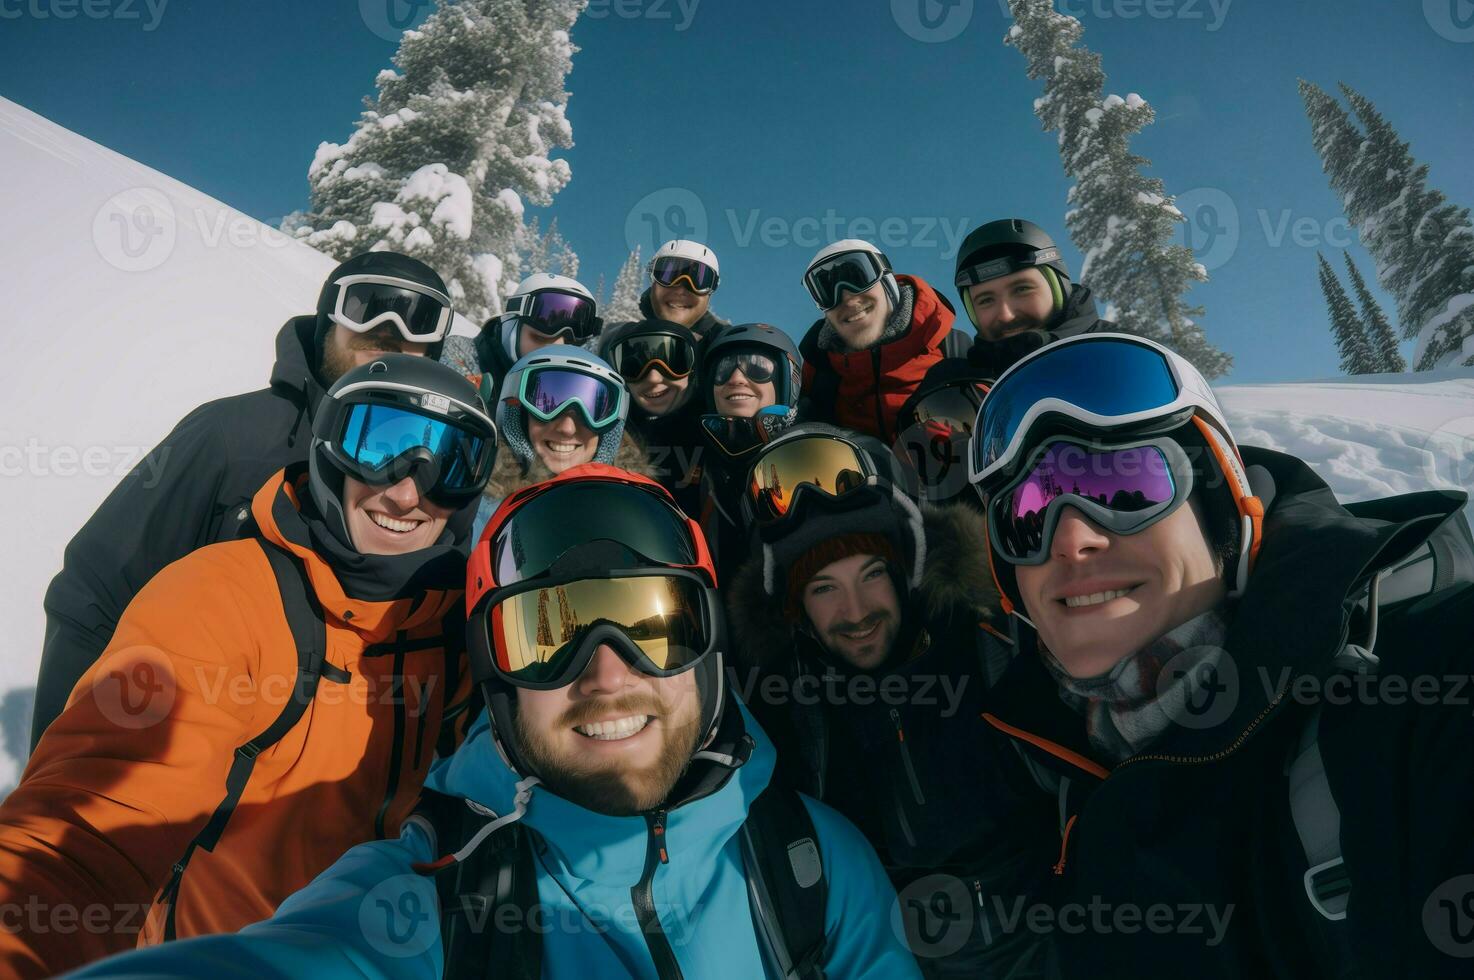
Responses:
[131,298]
[134,298]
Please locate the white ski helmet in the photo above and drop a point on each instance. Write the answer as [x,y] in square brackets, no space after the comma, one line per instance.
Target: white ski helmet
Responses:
[680,248]
[519,302]
[888,277]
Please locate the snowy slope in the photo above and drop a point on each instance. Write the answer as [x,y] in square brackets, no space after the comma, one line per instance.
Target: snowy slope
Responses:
[1372,437]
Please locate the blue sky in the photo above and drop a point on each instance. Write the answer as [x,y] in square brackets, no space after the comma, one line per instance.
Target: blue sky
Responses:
[766,125]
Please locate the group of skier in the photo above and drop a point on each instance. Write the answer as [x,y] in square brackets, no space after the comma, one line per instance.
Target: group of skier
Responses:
[675,648]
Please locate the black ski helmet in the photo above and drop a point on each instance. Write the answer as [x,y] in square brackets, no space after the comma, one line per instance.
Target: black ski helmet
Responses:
[1003,247]
[391,264]
[764,335]
[394,379]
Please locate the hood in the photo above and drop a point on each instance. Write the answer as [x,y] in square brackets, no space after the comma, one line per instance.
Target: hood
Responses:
[612,851]
[512,473]
[955,582]
[1078,316]
[1296,616]
[375,594]
[294,375]
[931,321]
[702,328]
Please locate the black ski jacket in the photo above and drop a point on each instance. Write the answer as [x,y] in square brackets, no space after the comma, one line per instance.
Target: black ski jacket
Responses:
[193,489]
[1187,855]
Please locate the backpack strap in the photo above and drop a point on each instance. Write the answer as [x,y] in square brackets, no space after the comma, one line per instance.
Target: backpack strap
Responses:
[476,940]
[1318,825]
[309,634]
[786,882]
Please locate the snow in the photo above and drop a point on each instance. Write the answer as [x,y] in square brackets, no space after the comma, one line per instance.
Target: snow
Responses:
[1375,436]
[119,338]
[1455,306]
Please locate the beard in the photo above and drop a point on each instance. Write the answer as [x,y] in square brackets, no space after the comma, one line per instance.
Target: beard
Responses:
[337,355]
[840,645]
[613,791]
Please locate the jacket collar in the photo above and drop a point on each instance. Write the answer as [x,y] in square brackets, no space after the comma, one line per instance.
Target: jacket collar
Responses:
[430,581]
[612,851]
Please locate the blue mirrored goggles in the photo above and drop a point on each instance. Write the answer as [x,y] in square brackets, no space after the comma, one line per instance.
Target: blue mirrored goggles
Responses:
[1102,381]
[547,392]
[381,444]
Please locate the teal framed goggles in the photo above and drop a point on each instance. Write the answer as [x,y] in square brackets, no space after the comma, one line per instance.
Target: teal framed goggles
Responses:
[548,392]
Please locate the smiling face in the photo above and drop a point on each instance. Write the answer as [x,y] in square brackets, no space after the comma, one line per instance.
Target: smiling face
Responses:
[343,350]
[564,442]
[741,397]
[658,393]
[1102,597]
[860,317]
[1011,304]
[391,520]
[614,741]
[854,610]
[678,304]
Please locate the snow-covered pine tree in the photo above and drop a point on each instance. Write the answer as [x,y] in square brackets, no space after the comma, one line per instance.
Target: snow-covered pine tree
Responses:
[456,144]
[1380,337]
[1357,356]
[549,252]
[628,286]
[1120,218]
[1423,246]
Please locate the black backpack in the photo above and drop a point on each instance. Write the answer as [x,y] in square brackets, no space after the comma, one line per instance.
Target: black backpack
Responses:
[786,886]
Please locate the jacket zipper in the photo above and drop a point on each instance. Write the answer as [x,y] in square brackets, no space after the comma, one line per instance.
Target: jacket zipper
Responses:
[396,751]
[906,759]
[643,896]
[1059,867]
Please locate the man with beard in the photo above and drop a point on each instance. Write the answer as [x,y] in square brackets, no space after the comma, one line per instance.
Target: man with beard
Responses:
[196,487]
[864,644]
[879,335]
[1017,292]
[609,814]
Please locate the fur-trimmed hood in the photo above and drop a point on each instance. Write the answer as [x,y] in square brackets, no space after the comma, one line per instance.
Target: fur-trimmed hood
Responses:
[955,578]
[511,473]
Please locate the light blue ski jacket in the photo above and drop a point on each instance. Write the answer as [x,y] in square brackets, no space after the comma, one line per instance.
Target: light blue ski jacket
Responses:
[372,915]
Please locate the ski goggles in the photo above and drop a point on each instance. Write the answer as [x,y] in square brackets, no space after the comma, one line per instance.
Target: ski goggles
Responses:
[549,391]
[380,444]
[1103,381]
[543,636]
[852,272]
[700,277]
[421,313]
[635,357]
[810,463]
[757,368]
[934,433]
[740,436]
[1123,488]
[551,313]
